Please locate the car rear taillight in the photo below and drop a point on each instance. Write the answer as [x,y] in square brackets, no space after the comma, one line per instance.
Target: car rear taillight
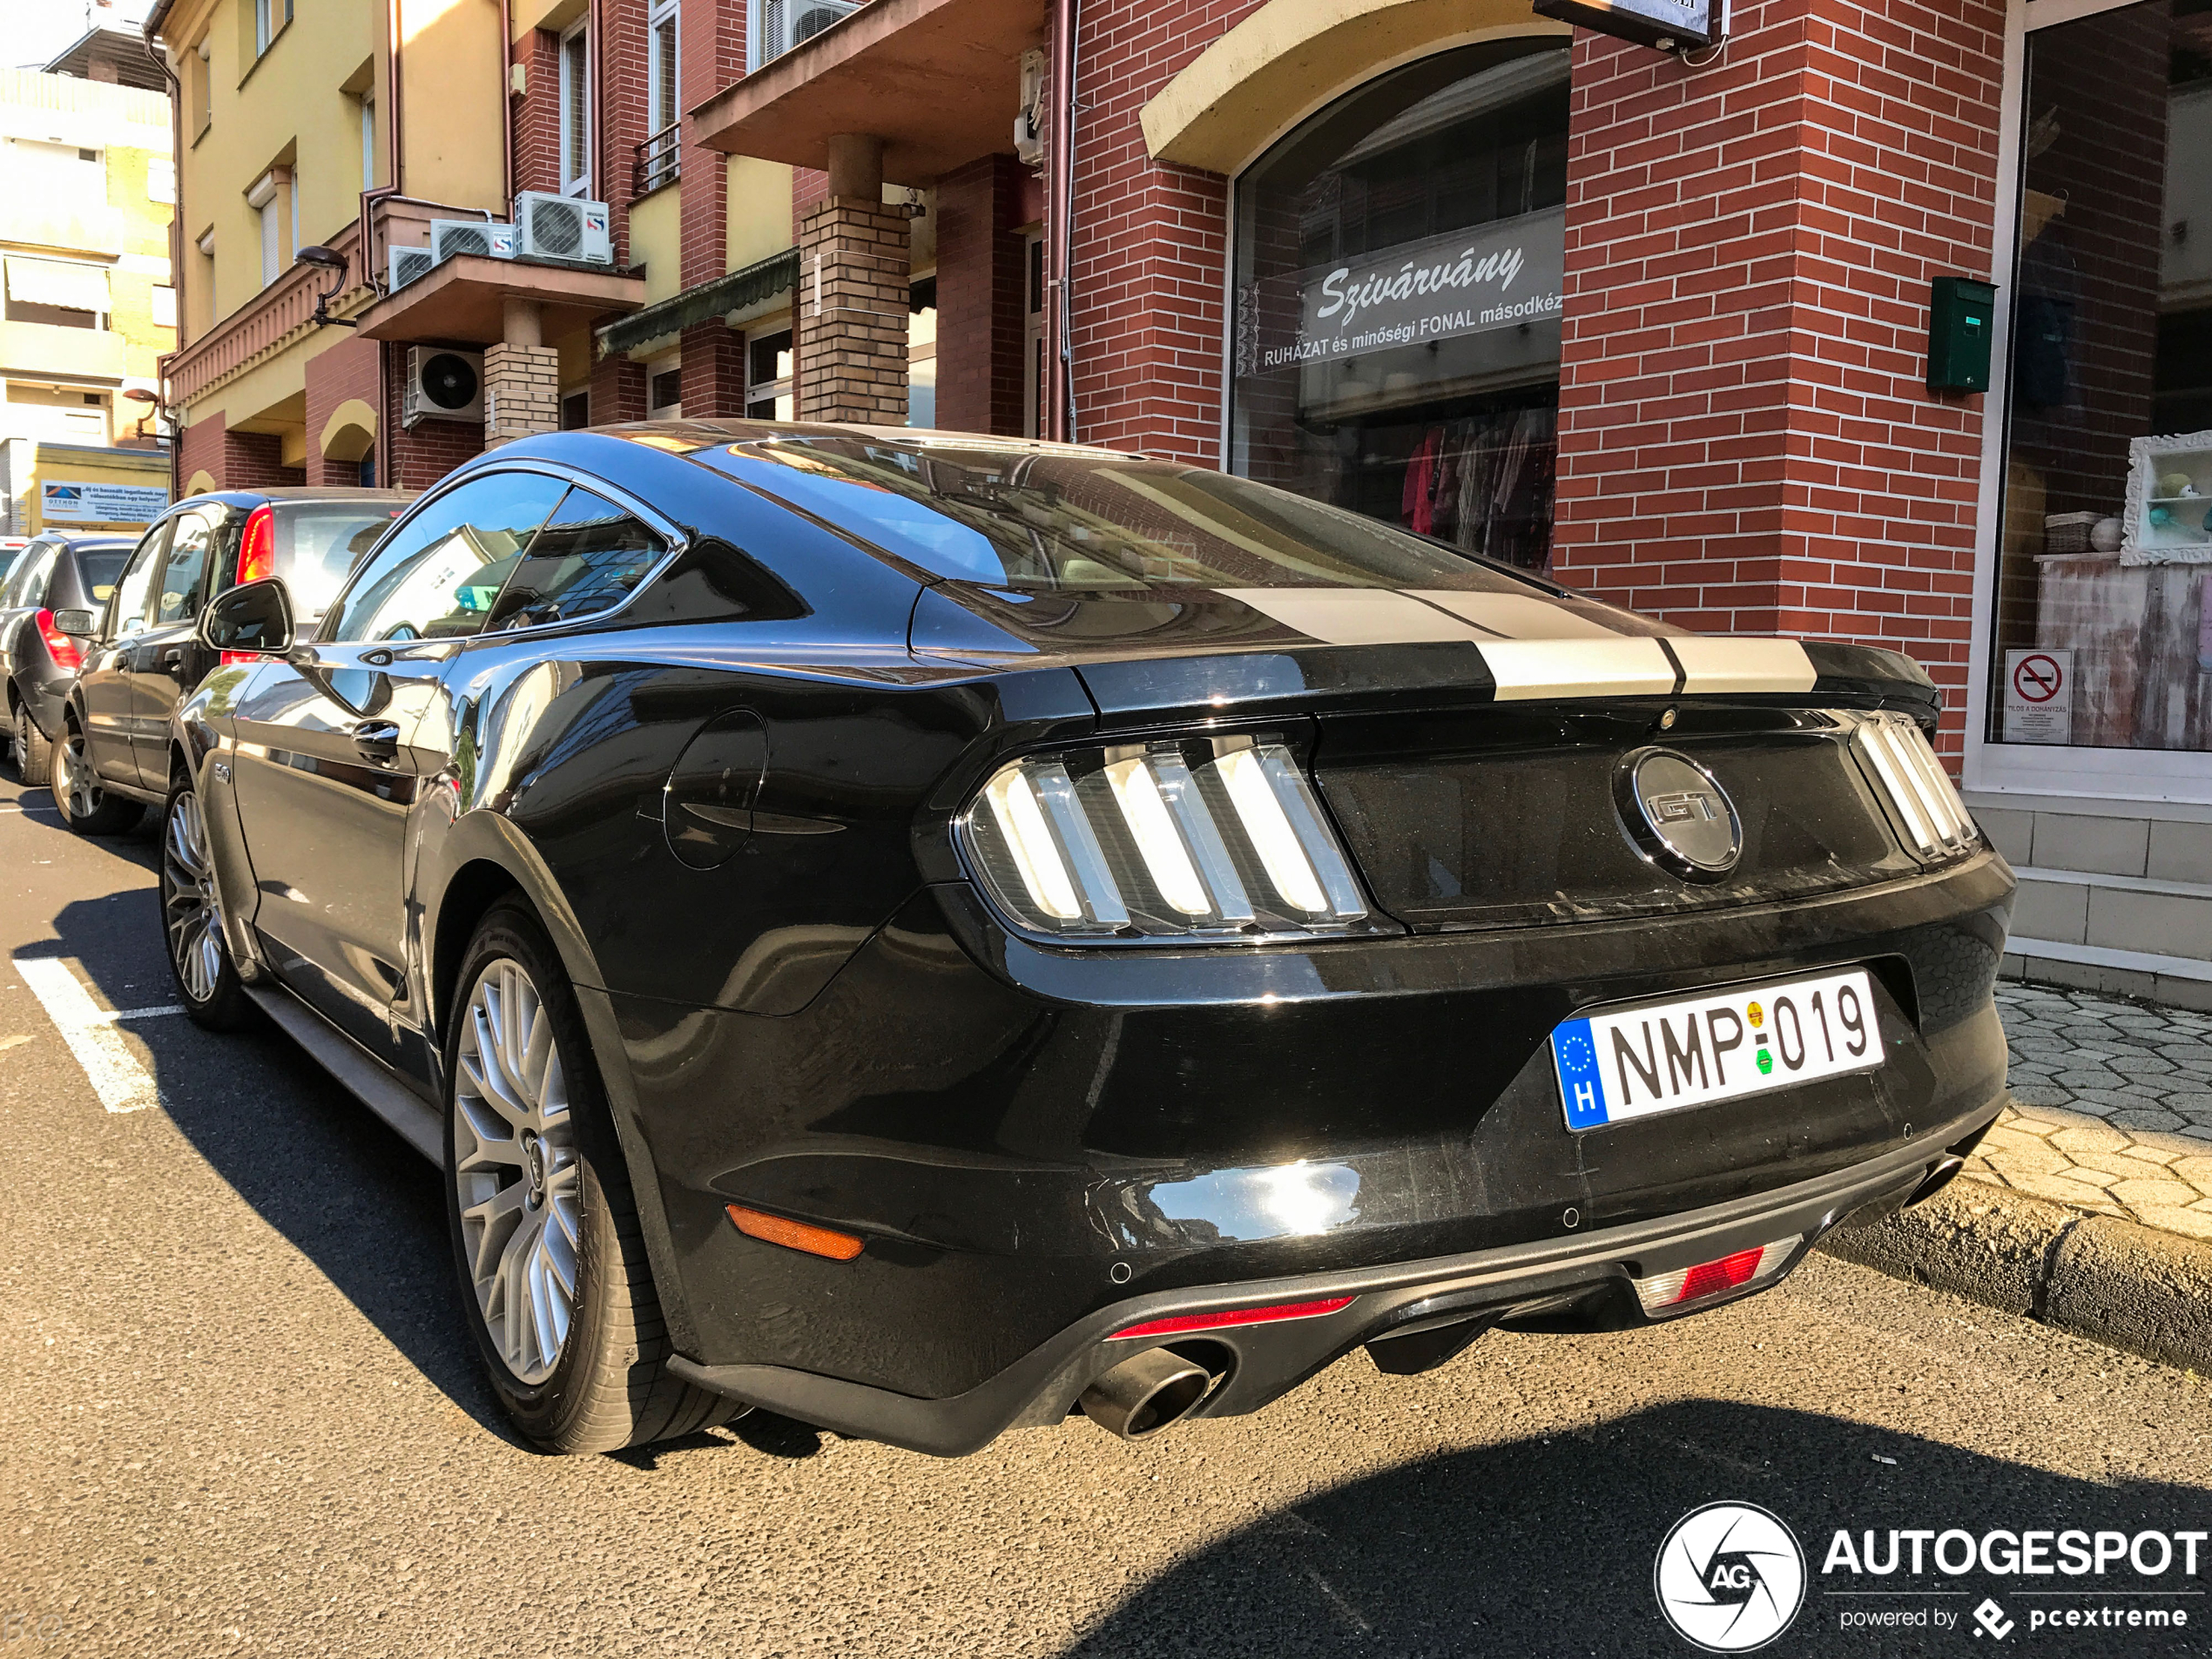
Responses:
[256,547]
[1193,840]
[1183,1324]
[1896,752]
[59,646]
[1688,1285]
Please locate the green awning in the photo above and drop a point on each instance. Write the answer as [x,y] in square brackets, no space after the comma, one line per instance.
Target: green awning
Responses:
[718,298]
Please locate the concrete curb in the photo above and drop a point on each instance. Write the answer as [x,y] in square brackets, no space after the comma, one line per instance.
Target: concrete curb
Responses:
[2116,1282]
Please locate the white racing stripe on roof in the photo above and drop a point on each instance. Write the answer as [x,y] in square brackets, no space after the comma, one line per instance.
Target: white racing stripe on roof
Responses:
[1714,666]
[1614,667]
[1355,615]
[1516,616]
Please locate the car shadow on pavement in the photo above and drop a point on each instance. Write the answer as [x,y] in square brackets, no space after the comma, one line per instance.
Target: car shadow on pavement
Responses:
[311,1160]
[1548,1547]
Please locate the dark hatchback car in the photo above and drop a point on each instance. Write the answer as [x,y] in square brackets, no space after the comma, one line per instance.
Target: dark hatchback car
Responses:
[54,573]
[139,648]
[928,933]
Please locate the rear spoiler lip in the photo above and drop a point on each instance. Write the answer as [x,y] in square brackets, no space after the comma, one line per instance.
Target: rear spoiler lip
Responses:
[1319,679]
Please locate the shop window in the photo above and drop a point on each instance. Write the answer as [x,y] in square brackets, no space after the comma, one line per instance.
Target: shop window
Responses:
[1396,330]
[2103,630]
[768,365]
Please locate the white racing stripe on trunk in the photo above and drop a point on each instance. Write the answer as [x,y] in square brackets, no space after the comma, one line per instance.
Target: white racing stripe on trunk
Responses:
[1517,616]
[1720,664]
[116,1077]
[1355,615]
[1618,666]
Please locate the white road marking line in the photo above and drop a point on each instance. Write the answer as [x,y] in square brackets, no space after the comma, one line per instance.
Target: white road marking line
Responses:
[116,1077]
[112,1014]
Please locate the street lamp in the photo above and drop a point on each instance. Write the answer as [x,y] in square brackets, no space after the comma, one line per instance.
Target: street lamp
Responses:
[325,258]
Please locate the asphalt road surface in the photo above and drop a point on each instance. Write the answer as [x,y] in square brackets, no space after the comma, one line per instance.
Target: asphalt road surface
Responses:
[238,1417]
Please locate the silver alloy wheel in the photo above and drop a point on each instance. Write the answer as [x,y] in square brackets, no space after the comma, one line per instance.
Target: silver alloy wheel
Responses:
[515,1168]
[188,905]
[79,781]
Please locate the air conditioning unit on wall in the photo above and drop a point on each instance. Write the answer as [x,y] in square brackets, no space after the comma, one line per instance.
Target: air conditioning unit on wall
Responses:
[450,237]
[563,228]
[408,263]
[784,23]
[443,385]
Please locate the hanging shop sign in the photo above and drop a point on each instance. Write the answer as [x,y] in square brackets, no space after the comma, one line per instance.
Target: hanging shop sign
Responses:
[1669,25]
[1500,275]
[100,503]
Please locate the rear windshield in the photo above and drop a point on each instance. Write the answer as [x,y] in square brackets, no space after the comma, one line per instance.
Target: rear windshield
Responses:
[101,567]
[1017,518]
[318,543]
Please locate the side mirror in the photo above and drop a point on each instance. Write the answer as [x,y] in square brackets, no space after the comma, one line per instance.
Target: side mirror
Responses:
[77,624]
[253,617]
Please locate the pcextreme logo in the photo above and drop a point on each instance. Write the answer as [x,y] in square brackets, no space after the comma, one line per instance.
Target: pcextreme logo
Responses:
[1730,1577]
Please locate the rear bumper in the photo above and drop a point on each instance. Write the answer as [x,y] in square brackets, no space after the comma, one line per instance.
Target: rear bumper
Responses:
[1576,1282]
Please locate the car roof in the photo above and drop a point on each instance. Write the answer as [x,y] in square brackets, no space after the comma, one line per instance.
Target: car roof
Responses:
[303,493]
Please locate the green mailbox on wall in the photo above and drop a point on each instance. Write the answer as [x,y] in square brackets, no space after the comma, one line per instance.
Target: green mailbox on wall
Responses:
[1962,315]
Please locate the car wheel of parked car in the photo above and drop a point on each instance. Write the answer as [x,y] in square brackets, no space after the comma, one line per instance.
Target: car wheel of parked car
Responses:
[198,955]
[86,807]
[34,755]
[546,1235]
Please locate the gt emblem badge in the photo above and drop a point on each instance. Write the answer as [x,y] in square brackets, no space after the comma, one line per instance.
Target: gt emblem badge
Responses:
[1678,815]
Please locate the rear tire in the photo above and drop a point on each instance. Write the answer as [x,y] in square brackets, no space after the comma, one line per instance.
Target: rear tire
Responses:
[34,755]
[192,919]
[86,807]
[555,1284]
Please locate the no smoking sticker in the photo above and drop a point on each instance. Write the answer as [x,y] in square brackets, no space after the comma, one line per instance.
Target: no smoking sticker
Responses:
[2039,696]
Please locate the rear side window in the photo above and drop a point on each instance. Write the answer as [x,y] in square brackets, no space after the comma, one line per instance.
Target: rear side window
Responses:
[438,575]
[101,568]
[27,582]
[590,557]
[318,544]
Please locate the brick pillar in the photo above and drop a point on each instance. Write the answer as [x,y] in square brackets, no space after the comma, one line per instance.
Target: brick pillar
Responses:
[981,297]
[850,310]
[713,57]
[620,57]
[521,392]
[346,371]
[537,115]
[1746,440]
[617,391]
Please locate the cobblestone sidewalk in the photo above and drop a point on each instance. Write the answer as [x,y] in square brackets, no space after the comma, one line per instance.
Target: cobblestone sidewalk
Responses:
[2113,1108]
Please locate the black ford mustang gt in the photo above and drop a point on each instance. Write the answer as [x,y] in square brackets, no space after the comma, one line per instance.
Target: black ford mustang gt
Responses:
[926,933]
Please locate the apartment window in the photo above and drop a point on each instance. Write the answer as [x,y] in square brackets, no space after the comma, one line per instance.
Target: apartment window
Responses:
[660,70]
[199,70]
[262,198]
[269,16]
[664,390]
[161,178]
[60,294]
[165,306]
[921,351]
[295,210]
[775,26]
[768,360]
[575,112]
[576,411]
[368,143]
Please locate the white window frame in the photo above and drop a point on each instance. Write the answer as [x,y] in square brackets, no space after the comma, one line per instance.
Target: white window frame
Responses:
[575,58]
[663,70]
[2127,778]
[262,33]
[672,364]
[294,172]
[161,178]
[776,390]
[369,140]
[262,198]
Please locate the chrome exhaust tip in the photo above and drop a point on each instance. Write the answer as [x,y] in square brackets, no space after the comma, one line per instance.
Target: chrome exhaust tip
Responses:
[1938,1178]
[1146,1393]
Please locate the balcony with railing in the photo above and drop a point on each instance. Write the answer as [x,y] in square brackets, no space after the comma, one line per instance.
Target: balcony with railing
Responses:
[660,161]
[938,81]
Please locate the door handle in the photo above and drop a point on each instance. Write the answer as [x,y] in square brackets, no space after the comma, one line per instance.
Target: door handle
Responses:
[378,739]
[172,663]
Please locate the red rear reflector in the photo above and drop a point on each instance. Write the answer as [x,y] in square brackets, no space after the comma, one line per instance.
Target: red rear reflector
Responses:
[1185,1322]
[59,646]
[1711,1278]
[256,547]
[794,1235]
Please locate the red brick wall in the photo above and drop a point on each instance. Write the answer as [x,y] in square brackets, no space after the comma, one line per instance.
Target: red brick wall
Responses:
[1745,440]
[622,66]
[234,460]
[536,114]
[418,459]
[199,448]
[617,391]
[713,47]
[346,370]
[980,296]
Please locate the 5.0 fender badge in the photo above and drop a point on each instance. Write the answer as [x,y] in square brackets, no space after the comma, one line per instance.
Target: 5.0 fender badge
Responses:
[1677,814]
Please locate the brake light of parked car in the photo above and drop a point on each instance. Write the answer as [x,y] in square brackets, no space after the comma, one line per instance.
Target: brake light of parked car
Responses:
[1182,1323]
[794,1235]
[1204,839]
[256,547]
[1897,751]
[59,646]
[1687,1285]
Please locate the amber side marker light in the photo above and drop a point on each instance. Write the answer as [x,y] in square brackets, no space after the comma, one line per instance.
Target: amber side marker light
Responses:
[1183,1323]
[794,1235]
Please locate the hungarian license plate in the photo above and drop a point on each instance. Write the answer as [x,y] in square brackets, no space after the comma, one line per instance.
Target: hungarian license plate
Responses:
[1613,1066]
